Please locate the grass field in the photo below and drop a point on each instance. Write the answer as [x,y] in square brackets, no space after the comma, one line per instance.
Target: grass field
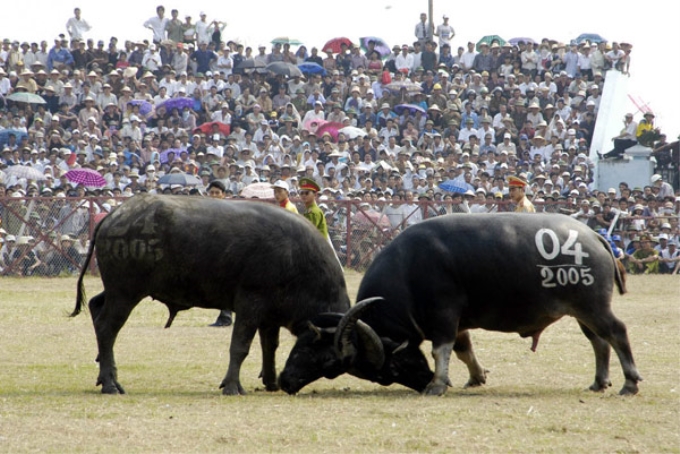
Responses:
[533,402]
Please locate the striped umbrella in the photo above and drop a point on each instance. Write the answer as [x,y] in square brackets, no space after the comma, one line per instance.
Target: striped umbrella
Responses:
[86,177]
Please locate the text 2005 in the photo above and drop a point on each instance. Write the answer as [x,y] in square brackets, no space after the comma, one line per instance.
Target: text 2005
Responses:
[562,275]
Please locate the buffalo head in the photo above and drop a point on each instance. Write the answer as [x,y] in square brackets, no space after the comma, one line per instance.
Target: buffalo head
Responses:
[333,344]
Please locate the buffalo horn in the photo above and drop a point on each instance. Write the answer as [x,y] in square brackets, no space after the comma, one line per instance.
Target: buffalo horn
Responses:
[371,343]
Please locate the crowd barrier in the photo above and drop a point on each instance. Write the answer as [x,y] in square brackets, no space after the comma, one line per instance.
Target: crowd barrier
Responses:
[51,236]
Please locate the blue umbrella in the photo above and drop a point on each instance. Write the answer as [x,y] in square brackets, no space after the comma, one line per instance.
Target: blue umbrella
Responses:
[456,186]
[412,108]
[4,136]
[312,68]
[590,37]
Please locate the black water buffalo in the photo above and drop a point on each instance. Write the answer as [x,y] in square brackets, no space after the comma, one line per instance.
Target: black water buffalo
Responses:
[445,276]
[269,266]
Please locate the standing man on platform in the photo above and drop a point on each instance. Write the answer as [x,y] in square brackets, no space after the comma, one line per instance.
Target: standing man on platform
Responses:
[444,32]
[424,31]
[158,24]
[77,27]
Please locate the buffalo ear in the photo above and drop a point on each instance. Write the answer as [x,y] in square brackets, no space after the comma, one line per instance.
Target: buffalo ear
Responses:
[318,332]
[314,329]
[401,347]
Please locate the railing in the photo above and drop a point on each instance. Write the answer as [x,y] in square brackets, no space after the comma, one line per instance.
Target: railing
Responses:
[52,235]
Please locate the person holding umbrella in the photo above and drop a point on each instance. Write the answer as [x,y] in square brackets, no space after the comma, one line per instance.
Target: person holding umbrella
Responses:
[27,82]
[517,194]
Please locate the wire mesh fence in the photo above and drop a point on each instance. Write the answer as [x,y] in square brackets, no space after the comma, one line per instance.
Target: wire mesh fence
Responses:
[51,236]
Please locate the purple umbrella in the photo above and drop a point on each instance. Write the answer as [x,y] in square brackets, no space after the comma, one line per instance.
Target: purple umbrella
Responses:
[380,45]
[145,107]
[87,177]
[178,103]
[164,155]
[515,41]
[412,108]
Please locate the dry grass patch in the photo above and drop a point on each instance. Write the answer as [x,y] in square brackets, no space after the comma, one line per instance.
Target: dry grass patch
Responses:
[533,402]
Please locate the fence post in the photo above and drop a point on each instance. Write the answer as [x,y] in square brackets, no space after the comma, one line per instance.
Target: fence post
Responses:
[348,210]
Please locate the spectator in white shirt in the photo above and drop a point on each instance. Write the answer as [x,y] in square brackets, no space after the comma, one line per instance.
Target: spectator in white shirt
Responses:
[157,24]
[77,27]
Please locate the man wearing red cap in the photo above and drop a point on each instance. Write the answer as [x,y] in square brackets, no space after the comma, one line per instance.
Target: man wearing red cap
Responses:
[517,187]
[307,191]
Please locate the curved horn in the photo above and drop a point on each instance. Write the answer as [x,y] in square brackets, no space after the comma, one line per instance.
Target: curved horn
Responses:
[371,342]
[372,345]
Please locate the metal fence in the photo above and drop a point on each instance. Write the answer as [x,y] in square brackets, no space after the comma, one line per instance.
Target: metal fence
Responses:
[51,236]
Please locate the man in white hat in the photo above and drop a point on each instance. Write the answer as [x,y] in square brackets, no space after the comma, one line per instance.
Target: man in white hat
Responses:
[665,189]
[281,194]
[670,258]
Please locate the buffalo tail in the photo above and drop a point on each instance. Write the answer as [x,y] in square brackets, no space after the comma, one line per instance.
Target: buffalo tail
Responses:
[80,294]
[619,269]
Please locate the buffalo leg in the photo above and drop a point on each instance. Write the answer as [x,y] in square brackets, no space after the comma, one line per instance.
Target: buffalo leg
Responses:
[108,319]
[269,339]
[96,305]
[612,330]
[465,353]
[441,352]
[241,338]
[602,353]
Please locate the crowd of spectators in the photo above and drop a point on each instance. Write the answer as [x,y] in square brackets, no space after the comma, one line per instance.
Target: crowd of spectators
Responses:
[189,101]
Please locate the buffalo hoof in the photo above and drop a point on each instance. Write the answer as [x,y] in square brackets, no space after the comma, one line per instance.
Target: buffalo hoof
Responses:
[114,388]
[629,389]
[435,389]
[600,386]
[272,387]
[232,389]
[477,380]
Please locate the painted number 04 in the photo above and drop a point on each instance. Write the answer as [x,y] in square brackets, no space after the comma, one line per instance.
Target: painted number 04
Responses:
[562,275]
[571,247]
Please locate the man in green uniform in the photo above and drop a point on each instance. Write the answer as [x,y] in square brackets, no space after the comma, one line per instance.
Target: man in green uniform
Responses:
[308,190]
[517,187]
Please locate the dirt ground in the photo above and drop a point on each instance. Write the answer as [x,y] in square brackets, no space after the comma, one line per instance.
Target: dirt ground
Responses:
[533,402]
